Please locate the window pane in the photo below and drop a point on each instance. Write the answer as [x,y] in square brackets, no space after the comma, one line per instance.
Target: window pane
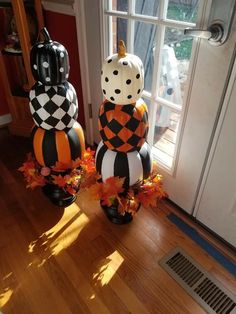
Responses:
[187,11]
[147,7]
[120,5]
[166,128]
[119,31]
[176,54]
[144,37]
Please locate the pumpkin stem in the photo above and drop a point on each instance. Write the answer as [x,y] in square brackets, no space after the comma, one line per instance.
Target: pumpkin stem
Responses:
[45,34]
[121,49]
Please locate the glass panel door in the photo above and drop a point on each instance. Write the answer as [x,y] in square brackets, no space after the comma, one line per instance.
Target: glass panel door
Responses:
[185,81]
[153,30]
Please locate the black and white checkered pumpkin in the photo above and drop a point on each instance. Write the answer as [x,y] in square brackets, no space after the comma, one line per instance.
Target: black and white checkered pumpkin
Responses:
[49,61]
[53,107]
[122,78]
[134,166]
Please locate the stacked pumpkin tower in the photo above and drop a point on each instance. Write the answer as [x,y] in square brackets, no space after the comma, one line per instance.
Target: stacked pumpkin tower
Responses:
[123,125]
[57,136]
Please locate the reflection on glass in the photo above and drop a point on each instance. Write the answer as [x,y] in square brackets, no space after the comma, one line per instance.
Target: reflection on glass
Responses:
[175,54]
[119,31]
[166,128]
[144,37]
[120,5]
[183,10]
[147,7]
[147,102]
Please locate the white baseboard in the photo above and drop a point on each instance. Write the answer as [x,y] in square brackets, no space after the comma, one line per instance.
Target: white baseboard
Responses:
[5,119]
[57,7]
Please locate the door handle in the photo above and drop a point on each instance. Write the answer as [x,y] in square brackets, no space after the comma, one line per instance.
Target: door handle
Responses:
[219,23]
[214,34]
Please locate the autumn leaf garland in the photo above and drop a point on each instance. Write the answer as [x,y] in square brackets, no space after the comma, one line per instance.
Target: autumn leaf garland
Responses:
[147,193]
[111,192]
[69,180]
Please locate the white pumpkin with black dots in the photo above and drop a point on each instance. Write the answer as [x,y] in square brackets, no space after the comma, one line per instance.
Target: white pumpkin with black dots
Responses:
[122,78]
[134,166]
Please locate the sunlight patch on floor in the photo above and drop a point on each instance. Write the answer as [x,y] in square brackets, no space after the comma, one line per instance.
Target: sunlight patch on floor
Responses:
[7,276]
[5,296]
[69,213]
[60,236]
[108,268]
[69,235]
[92,297]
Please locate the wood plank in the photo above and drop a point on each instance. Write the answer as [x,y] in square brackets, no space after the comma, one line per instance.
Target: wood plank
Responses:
[73,260]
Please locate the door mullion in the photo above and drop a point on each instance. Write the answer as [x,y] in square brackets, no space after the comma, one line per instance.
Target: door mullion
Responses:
[110,36]
[130,30]
[108,4]
[156,73]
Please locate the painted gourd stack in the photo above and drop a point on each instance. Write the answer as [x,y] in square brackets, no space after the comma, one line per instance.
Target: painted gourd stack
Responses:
[57,136]
[123,122]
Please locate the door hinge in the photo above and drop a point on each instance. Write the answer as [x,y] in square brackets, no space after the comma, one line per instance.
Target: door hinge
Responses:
[90,111]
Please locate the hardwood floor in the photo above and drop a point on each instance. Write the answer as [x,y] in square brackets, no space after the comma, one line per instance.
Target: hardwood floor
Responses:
[74,260]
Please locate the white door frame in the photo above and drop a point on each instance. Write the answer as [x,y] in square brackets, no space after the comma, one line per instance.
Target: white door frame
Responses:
[84,68]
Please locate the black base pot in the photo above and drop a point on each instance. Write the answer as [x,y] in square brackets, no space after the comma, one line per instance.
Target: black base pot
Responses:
[58,196]
[114,216]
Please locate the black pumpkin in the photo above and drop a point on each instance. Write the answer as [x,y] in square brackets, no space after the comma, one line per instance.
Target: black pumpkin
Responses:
[49,61]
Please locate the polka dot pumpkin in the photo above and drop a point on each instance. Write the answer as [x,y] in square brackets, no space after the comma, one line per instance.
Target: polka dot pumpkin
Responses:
[49,61]
[122,78]
[123,128]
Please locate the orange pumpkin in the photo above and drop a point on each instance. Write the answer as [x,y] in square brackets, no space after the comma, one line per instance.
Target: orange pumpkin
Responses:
[58,146]
[123,128]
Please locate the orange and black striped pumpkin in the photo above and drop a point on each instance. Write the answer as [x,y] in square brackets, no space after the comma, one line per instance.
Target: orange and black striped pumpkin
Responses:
[123,128]
[58,146]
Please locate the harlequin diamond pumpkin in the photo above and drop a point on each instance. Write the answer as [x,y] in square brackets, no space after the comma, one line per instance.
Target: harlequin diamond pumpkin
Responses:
[62,146]
[54,107]
[122,77]
[49,61]
[134,166]
[123,128]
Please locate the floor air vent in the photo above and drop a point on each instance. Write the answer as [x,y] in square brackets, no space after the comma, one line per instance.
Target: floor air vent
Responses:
[206,290]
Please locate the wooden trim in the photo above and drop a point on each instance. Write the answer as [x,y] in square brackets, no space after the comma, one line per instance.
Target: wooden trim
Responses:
[6,87]
[22,27]
[58,8]
[39,13]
